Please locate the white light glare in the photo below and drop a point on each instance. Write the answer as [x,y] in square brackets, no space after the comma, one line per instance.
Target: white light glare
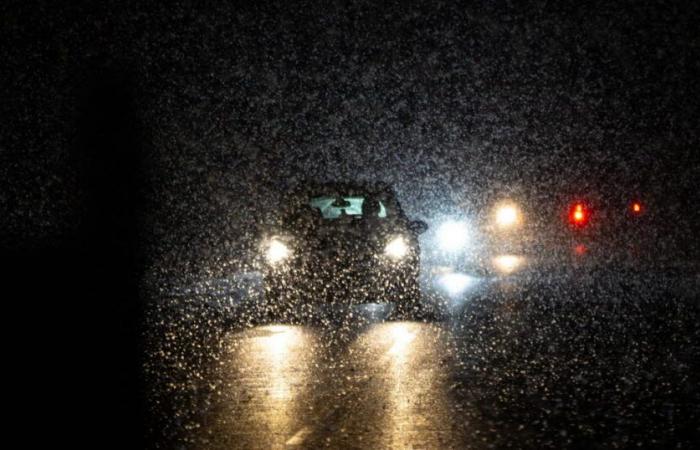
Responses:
[456,283]
[452,236]
[276,252]
[396,248]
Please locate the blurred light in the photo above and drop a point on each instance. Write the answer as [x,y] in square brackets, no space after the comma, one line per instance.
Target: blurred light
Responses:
[276,252]
[507,216]
[276,329]
[578,214]
[455,283]
[396,248]
[452,236]
[636,207]
[402,334]
[278,343]
[507,263]
[580,249]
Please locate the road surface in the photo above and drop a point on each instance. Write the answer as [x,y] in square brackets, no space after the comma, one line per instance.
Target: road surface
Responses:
[577,362]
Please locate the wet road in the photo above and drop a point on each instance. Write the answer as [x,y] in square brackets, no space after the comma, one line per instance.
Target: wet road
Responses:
[381,386]
[584,364]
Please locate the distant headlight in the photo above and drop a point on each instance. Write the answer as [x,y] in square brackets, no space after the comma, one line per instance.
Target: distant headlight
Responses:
[277,252]
[507,216]
[396,248]
[452,236]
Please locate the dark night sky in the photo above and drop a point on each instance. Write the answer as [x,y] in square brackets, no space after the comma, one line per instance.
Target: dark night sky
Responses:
[450,104]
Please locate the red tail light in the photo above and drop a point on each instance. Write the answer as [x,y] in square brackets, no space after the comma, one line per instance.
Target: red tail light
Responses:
[579,214]
[636,208]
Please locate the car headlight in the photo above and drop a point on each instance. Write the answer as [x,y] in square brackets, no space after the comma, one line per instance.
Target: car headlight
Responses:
[277,251]
[397,248]
[507,216]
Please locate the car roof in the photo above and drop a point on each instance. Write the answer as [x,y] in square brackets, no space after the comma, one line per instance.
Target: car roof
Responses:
[344,188]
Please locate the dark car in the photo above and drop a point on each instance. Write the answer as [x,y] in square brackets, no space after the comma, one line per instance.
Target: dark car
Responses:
[342,244]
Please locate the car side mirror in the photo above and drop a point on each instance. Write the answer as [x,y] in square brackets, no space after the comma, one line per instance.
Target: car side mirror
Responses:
[418,227]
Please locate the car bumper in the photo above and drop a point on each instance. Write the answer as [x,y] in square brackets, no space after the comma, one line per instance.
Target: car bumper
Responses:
[373,282]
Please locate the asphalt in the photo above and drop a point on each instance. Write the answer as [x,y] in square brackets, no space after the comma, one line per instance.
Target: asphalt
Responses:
[597,362]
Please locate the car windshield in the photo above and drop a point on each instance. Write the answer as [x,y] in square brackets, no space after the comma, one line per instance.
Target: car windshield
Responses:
[334,207]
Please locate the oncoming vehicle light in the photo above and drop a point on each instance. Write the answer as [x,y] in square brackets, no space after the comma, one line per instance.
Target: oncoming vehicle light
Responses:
[277,251]
[452,236]
[396,248]
[507,216]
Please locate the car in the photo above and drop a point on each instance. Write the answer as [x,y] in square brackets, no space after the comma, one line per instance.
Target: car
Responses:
[341,244]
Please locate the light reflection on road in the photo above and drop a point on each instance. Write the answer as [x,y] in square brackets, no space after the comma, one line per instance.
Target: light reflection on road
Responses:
[266,377]
[478,380]
[411,384]
[279,354]
[383,386]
